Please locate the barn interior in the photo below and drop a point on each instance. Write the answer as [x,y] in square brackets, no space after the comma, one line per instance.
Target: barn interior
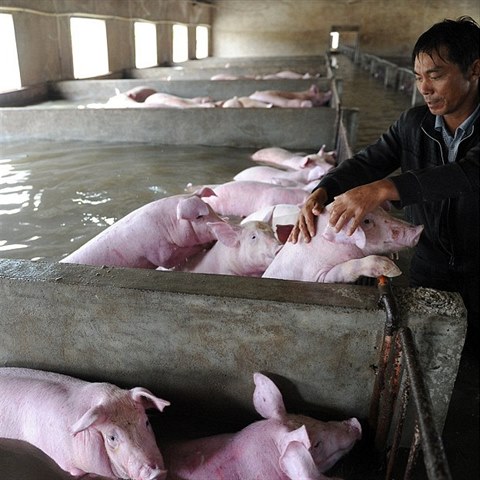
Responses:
[71,165]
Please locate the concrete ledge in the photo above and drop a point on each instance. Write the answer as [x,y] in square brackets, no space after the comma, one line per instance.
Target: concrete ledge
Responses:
[254,128]
[102,90]
[197,339]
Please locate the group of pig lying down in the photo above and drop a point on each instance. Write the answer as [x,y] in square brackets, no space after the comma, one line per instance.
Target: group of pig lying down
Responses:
[56,427]
[147,97]
[241,228]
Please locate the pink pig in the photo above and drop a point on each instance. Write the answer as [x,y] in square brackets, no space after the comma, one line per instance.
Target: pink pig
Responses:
[245,197]
[299,178]
[161,233]
[332,257]
[281,447]
[85,427]
[280,157]
[245,250]
[311,97]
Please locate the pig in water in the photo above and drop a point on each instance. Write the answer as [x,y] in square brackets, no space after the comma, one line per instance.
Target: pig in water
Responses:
[244,250]
[162,233]
[335,257]
[306,178]
[283,446]
[280,157]
[21,460]
[85,427]
[241,198]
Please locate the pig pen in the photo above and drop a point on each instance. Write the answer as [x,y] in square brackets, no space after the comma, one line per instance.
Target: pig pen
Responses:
[198,339]
[253,127]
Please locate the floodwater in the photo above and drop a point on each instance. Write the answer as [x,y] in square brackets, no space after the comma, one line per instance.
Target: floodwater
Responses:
[54,196]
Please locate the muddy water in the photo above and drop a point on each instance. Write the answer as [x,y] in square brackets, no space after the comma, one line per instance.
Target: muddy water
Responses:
[56,196]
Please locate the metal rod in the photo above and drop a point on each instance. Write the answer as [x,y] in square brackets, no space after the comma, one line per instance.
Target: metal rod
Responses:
[434,455]
[378,395]
[398,429]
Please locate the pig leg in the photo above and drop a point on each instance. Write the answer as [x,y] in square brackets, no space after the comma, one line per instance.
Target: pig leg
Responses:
[371,266]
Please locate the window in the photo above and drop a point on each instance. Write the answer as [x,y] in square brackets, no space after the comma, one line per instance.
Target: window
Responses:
[201,34]
[335,40]
[10,76]
[145,44]
[89,47]
[180,43]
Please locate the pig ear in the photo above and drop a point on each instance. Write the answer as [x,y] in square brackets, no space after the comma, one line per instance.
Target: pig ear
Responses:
[267,398]
[191,208]
[225,233]
[148,399]
[299,435]
[205,192]
[297,462]
[94,415]
[357,238]
[306,161]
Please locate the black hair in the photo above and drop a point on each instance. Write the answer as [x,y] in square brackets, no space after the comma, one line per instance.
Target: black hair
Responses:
[458,39]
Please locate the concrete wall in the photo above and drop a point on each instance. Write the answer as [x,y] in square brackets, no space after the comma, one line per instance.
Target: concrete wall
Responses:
[299,27]
[197,339]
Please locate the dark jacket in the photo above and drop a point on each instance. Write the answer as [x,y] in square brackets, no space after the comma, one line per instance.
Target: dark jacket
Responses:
[442,196]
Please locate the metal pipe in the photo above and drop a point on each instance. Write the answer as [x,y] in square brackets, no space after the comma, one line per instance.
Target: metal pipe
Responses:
[434,455]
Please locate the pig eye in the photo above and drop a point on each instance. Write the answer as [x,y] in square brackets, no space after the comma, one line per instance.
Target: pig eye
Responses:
[367,223]
[254,237]
[111,440]
[199,216]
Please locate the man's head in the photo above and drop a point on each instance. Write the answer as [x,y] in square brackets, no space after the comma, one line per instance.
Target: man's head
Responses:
[446,63]
[455,41]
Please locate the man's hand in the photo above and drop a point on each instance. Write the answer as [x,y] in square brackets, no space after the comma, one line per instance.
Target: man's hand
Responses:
[357,202]
[305,225]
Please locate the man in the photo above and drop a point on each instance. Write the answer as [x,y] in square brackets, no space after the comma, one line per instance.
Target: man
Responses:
[437,149]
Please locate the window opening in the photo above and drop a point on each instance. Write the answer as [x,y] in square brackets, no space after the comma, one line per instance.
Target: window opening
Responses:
[201,33]
[89,47]
[180,43]
[10,76]
[145,44]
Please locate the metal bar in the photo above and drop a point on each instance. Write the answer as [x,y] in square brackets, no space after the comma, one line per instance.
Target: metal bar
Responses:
[392,456]
[413,453]
[385,300]
[434,455]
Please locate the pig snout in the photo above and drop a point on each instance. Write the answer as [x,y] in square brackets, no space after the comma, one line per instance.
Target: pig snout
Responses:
[353,426]
[406,236]
[147,471]
[152,472]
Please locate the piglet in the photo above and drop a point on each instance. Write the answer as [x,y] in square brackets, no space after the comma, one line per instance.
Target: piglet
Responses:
[162,233]
[299,178]
[280,157]
[244,250]
[336,257]
[282,446]
[241,198]
[85,427]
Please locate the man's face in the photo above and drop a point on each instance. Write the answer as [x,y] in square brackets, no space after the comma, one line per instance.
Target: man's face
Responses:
[445,89]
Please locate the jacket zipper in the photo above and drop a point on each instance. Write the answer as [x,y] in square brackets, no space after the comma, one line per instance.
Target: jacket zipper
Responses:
[451,260]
